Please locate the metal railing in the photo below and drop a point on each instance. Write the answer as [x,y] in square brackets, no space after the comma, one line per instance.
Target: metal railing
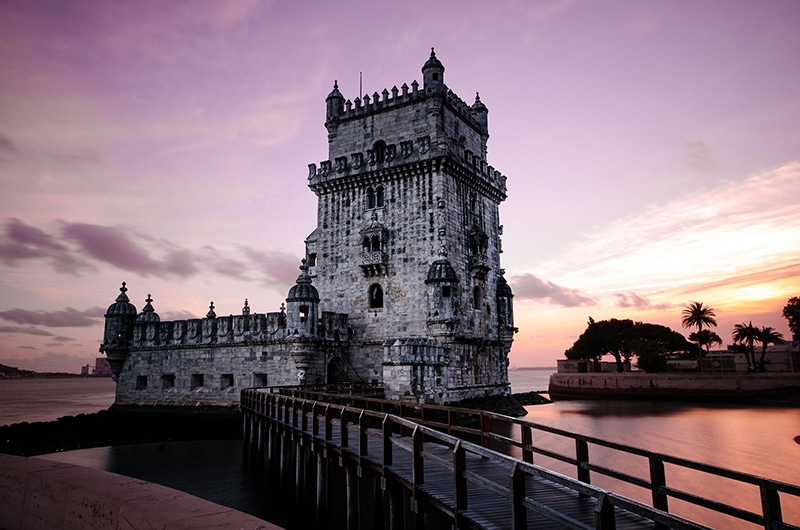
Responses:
[508,435]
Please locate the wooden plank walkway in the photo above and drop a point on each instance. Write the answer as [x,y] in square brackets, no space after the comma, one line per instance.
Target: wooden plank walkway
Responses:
[475,487]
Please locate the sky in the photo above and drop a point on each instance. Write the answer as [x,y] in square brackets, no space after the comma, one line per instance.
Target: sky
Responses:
[652,151]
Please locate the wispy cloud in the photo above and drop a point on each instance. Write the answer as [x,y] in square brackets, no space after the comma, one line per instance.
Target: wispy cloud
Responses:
[69,248]
[27,330]
[750,227]
[529,287]
[635,301]
[68,317]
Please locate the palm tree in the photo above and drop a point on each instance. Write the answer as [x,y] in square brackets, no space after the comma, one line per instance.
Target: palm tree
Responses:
[766,335]
[696,314]
[706,338]
[745,334]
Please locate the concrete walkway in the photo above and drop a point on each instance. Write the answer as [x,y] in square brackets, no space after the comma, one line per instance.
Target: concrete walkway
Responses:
[36,493]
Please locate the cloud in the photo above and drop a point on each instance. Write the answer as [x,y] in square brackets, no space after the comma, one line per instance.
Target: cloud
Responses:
[699,157]
[633,300]
[129,250]
[29,330]
[68,317]
[19,242]
[82,156]
[7,145]
[528,286]
[748,227]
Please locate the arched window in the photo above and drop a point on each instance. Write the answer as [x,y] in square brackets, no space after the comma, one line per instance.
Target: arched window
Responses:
[477,297]
[370,198]
[376,243]
[375,296]
[365,244]
[379,197]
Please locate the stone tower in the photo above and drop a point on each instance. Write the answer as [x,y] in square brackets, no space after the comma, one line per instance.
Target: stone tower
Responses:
[407,241]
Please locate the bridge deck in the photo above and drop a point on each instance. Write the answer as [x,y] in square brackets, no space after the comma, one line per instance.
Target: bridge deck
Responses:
[550,505]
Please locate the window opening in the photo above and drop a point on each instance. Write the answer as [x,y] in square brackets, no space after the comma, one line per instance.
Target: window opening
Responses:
[379,197]
[225,381]
[375,296]
[196,381]
[476,297]
[141,382]
[167,381]
[445,291]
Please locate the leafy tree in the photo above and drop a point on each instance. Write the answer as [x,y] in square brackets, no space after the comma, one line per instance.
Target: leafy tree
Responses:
[696,314]
[791,312]
[745,334]
[766,335]
[623,339]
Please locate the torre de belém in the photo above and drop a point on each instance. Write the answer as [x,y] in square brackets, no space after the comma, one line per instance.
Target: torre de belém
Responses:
[401,282]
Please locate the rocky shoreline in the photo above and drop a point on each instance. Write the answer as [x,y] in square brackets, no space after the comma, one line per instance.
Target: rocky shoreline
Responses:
[132,425]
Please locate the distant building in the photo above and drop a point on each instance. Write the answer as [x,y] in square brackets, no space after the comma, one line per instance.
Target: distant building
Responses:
[401,282]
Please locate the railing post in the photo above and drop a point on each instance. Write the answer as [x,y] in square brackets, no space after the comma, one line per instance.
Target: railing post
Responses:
[519,516]
[485,427]
[315,419]
[386,430]
[658,480]
[459,479]
[770,505]
[604,518]
[363,446]
[343,431]
[418,467]
[328,423]
[582,456]
[527,441]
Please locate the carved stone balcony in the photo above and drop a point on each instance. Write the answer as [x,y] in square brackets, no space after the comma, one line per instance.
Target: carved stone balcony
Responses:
[479,265]
[373,263]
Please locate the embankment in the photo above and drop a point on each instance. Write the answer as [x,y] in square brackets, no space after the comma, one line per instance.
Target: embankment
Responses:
[747,387]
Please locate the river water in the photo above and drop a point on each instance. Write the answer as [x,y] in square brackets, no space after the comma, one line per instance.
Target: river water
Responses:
[752,439]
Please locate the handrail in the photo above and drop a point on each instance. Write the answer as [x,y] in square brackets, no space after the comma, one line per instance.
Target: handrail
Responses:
[459,422]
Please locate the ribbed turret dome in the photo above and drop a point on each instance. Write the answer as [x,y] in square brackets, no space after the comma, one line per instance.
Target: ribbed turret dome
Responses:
[433,62]
[335,92]
[148,314]
[478,106]
[122,306]
[441,270]
[303,291]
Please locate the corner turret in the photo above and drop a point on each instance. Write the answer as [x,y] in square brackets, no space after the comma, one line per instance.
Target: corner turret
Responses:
[433,75]
[120,318]
[334,104]
[302,306]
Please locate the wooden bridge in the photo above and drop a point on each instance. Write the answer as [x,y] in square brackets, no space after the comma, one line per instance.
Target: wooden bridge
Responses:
[357,462]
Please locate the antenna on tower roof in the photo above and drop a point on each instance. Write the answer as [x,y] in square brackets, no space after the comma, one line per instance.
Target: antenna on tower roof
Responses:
[360,79]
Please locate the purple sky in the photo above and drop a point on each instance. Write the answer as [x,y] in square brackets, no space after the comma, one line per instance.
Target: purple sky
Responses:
[652,151]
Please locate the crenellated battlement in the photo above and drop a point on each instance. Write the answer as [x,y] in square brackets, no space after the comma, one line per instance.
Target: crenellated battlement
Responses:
[396,155]
[246,328]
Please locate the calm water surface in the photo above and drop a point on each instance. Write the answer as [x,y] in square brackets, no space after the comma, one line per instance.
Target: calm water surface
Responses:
[49,399]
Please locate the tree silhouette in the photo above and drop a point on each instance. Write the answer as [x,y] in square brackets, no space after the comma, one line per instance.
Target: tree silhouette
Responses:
[766,335]
[745,334]
[696,314]
[705,338]
[791,312]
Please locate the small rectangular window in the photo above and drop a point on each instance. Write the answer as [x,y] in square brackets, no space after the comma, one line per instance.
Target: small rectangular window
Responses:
[259,380]
[445,291]
[167,381]
[196,381]
[225,381]
[141,382]
[312,259]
